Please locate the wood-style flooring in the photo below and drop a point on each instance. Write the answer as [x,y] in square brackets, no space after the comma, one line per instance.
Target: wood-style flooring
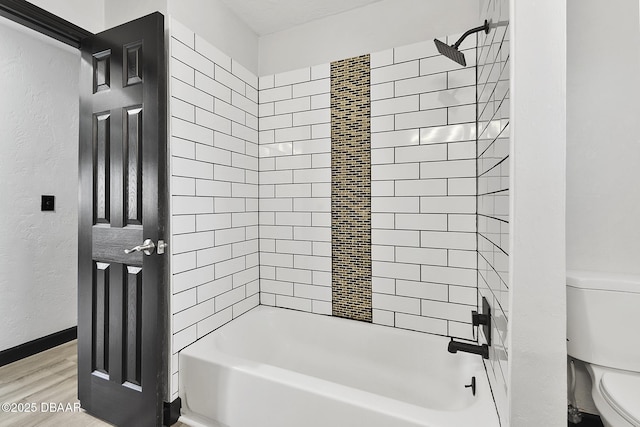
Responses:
[45,377]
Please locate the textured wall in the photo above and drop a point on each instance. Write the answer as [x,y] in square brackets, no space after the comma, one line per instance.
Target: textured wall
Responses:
[493,190]
[602,212]
[214,189]
[88,14]
[38,155]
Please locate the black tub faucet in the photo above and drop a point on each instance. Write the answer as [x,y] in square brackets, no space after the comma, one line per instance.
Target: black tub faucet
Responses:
[482,350]
[477,320]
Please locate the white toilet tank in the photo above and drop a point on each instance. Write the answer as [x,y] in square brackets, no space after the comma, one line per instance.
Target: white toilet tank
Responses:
[603,319]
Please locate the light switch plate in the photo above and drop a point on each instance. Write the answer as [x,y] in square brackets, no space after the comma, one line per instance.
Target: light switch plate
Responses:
[48,203]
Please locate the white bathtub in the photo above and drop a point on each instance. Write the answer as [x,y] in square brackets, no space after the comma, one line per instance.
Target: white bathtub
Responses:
[282,368]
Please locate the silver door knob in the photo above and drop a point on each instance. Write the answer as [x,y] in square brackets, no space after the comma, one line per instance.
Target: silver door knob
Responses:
[148,247]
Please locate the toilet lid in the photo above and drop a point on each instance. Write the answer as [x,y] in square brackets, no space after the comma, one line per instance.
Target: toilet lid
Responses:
[622,392]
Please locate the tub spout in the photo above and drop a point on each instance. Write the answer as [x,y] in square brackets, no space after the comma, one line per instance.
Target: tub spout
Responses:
[482,350]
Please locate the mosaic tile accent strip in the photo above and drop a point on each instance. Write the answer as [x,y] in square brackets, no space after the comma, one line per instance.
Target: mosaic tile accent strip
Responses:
[351,188]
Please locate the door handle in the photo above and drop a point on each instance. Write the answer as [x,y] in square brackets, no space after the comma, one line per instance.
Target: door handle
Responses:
[148,247]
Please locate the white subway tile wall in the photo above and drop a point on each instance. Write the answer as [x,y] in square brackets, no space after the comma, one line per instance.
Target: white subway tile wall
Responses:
[295,189]
[214,190]
[493,190]
[423,180]
[249,175]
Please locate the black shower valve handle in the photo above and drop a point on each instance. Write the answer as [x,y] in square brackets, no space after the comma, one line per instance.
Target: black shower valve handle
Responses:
[483,319]
[477,320]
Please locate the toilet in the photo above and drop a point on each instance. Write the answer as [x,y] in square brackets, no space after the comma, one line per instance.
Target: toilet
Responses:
[603,330]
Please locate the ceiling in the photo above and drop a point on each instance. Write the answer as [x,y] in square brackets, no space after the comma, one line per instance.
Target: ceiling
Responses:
[270,16]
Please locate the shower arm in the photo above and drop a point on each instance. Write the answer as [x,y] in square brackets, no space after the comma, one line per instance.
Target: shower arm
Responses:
[484,28]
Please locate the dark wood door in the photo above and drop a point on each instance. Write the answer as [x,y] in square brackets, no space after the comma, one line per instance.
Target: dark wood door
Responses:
[122,297]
